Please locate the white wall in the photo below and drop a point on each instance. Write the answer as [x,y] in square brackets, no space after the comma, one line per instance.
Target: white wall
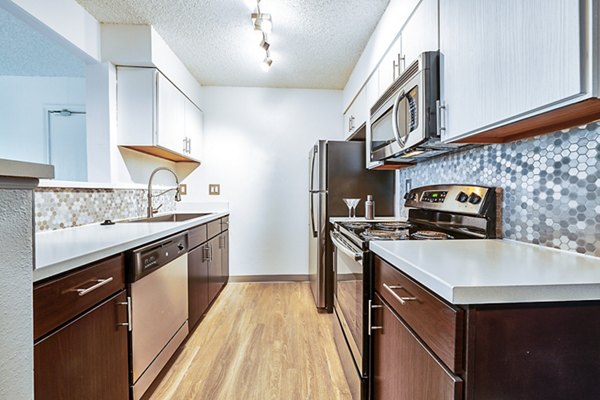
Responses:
[256,147]
[16,312]
[22,101]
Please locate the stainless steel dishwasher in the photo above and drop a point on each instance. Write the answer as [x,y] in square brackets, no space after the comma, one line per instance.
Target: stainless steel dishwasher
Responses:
[158,276]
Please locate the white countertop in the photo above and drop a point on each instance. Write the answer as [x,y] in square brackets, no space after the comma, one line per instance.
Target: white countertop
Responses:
[494,271]
[65,249]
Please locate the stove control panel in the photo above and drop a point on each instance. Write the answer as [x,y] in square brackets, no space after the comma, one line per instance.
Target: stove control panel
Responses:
[464,199]
[434,196]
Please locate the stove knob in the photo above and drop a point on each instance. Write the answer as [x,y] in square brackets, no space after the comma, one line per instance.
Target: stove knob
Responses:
[180,246]
[406,196]
[474,198]
[462,197]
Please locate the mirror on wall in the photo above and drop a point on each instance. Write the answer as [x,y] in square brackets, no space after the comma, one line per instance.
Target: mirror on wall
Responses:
[42,100]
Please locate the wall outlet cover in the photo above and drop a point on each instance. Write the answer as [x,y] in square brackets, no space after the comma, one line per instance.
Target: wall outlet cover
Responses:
[183,189]
[214,189]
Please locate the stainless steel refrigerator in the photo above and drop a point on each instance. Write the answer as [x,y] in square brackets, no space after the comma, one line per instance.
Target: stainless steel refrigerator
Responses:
[337,170]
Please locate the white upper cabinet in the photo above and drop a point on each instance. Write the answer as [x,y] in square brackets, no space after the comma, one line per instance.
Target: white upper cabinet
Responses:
[155,117]
[372,89]
[357,114]
[420,33]
[503,61]
[170,115]
[388,69]
[193,129]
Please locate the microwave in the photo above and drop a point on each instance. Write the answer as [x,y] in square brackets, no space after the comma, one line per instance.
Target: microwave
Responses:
[404,121]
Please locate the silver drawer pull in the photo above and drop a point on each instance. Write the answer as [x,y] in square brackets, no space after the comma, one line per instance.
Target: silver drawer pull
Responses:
[402,300]
[101,282]
[128,304]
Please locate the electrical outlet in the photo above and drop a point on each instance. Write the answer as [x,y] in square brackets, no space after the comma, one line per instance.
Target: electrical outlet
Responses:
[407,185]
[214,189]
[183,189]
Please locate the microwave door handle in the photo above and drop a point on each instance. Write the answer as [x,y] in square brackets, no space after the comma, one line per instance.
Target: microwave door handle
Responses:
[400,140]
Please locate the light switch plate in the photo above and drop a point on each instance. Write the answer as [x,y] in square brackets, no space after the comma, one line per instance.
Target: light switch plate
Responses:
[183,189]
[214,189]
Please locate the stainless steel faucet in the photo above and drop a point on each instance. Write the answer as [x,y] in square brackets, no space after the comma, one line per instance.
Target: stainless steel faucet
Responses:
[151,209]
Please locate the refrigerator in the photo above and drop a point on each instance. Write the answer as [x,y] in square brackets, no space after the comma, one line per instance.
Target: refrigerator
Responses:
[337,170]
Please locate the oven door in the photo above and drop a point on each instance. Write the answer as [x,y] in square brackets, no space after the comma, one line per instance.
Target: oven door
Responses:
[349,295]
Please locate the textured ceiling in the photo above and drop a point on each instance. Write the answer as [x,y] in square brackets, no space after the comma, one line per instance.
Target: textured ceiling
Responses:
[315,43]
[26,52]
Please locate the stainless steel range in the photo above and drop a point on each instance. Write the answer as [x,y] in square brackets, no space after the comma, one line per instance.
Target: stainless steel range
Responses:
[439,212]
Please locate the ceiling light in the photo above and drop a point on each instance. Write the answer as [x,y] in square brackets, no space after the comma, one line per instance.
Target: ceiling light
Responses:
[266,64]
[264,44]
[262,22]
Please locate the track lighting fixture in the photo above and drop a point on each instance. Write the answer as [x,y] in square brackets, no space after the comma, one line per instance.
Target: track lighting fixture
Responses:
[262,25]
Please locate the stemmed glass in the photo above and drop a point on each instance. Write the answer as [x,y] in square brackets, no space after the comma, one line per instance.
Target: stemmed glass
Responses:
[351,204]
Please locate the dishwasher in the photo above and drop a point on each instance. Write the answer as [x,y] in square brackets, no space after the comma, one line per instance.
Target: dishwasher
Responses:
[158,288]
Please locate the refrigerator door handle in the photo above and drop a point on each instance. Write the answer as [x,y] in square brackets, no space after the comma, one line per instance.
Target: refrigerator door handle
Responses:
[311,191]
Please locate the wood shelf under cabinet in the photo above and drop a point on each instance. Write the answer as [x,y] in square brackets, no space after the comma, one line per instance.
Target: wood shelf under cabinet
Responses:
[163,153]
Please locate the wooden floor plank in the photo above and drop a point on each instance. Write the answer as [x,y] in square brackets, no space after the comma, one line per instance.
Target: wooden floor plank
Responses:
[259,341]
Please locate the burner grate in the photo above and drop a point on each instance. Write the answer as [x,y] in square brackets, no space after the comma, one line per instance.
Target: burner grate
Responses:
[392,226]
[384,234]
[431,235]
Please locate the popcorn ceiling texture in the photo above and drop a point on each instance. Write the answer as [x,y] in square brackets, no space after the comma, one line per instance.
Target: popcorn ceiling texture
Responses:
[315,43]
[58,208]
[551,185]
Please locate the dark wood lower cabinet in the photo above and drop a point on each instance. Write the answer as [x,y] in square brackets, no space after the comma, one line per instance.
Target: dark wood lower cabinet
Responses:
[215,268]
[403,368]
[87,358]
[225,256]
[198,299]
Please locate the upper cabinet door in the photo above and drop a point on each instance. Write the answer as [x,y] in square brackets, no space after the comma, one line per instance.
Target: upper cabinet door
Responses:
[506,60]
[388,69]
[420,33]
[193,129]
[170,116]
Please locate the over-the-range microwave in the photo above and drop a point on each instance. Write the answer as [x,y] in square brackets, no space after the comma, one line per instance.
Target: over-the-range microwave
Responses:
[404,121]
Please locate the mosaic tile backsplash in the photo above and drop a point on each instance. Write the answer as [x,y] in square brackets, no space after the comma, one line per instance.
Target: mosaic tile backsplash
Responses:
[58,208]
[551,185]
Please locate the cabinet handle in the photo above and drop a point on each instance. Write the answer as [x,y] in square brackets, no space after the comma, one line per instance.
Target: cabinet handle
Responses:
[440,109]
[189,145]
[184,145]
[402,300]
[371,327]
[100,282]
[210,252]
[128,304]
[205,255]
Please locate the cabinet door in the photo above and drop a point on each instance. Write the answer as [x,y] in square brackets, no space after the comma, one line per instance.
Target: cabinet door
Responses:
[86,359]
[420,33]
[197,283]
[372,89]
[215,268]
[506,60]
[170,115]
[224,242]
[388,66]
[193,129]
[356,114]
[136,96]
[403,368]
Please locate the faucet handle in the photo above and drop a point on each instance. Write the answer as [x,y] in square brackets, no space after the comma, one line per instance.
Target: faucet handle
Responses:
[155,210]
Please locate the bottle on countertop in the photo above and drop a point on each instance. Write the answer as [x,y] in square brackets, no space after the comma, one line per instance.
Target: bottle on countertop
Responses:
[369,208]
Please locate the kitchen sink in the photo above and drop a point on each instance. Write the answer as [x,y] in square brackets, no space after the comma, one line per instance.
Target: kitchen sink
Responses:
[169,218]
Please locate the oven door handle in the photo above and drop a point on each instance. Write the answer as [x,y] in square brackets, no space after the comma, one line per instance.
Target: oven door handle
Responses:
[338,241]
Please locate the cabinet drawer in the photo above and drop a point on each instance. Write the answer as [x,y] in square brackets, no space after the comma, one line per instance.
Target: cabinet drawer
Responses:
[57,301]
[214,228]
[224,223]
[197,236]
[438,324]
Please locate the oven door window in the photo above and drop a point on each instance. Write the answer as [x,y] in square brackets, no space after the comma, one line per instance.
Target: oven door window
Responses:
[349,296]
[407,114]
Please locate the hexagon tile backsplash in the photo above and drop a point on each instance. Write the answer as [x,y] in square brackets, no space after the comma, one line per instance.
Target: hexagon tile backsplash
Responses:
[58,208]
[551,185]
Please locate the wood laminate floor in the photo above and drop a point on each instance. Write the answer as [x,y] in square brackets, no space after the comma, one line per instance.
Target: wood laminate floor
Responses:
[259,341]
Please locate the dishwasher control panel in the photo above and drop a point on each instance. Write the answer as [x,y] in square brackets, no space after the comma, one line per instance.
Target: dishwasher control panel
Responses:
[144,260]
